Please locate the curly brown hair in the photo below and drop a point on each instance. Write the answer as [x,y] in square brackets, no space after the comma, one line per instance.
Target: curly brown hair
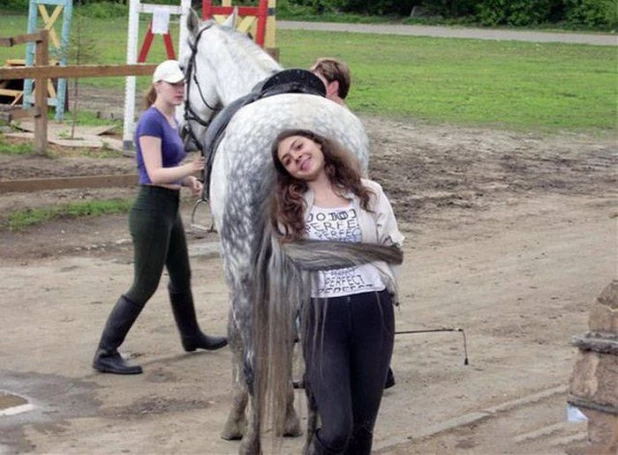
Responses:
[342,169]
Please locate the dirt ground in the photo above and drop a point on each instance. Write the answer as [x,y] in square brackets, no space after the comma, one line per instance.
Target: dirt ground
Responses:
[509,236]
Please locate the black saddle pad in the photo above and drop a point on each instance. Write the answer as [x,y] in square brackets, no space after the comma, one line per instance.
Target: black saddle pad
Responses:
[294,80]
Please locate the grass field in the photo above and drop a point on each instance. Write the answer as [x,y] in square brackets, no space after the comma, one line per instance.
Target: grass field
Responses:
[546,87]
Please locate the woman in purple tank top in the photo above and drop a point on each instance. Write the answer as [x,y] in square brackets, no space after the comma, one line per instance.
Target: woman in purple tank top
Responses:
[156,226]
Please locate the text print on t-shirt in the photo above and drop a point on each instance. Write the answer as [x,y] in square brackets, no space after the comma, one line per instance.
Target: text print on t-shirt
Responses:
[340,224]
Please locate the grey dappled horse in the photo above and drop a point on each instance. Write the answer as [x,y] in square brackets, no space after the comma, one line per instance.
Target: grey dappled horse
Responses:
[223,65]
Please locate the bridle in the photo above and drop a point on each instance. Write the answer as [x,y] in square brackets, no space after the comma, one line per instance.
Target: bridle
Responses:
[190,114]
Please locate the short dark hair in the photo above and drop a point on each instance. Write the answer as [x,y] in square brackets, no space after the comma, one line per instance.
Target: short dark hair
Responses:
[334,70]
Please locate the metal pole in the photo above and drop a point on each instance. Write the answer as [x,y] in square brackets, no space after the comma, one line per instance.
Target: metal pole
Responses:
[448,329]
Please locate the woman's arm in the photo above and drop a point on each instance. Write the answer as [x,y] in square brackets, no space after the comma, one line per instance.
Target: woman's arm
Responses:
[386,223]
[151,152]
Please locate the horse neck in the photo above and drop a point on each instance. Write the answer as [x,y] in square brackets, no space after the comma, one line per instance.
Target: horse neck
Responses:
[238,67]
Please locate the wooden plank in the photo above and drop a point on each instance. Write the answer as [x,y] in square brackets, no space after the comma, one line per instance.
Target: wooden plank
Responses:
[71,71]
[94,181]
[20,39]
[15,62]
[8,92]
[9,116]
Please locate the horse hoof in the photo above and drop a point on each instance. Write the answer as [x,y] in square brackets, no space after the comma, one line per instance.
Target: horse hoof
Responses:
[292,428]
[231,435]
[250,448]
[234,431]
[293,433]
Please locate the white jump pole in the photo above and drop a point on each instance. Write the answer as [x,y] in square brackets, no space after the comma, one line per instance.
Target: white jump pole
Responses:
[135,8]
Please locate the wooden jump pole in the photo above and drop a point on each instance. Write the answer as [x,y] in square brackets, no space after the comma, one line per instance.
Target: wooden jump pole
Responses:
[76,71]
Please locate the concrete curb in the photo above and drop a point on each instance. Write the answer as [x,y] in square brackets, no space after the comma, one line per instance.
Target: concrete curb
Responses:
[454,32]
[467,419]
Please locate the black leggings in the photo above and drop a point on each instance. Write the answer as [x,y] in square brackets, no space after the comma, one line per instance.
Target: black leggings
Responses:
[347,359]
[158,241]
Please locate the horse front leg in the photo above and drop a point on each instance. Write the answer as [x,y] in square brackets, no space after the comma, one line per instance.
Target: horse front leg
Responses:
[236,424]
[241,317]
[312,423]
[291,427]
[251,442]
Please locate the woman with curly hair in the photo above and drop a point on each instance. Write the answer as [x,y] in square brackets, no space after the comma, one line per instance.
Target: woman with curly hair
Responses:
[320,195]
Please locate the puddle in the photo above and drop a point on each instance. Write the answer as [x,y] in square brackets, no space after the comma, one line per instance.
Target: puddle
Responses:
[41,402]
[11,404]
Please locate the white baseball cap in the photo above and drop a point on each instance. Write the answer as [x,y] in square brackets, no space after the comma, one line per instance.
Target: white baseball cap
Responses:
[168,71]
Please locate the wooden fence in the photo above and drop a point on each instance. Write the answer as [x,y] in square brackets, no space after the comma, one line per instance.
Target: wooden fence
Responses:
[42,71]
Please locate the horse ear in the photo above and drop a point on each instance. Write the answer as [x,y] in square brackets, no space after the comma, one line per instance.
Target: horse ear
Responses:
[193,21]
[231,19]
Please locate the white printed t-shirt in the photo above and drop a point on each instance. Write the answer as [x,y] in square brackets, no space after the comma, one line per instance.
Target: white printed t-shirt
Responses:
[341,224]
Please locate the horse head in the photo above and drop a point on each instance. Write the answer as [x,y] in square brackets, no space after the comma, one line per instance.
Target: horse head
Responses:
[201,101]
[220,65]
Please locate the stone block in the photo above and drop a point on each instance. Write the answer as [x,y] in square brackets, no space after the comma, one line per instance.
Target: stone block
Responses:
[595,379]
[602,430]
[593,386]
[603,316]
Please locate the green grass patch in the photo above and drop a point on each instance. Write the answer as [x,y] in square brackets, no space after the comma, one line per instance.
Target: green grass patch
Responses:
[17,148]
[21,219]
[87,118]
[506,84]
[544,87]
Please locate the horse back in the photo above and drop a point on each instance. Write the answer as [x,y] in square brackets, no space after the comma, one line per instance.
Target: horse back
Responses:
[242,167]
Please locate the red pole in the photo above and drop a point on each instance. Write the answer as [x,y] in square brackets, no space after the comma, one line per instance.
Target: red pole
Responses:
[143,53]
[260,12]
[262,15]
[169,47]
[206,9]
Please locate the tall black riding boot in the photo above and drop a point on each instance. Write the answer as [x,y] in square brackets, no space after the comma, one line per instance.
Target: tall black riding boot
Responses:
[317,447]
[190,334]
[390,379]
[107,359]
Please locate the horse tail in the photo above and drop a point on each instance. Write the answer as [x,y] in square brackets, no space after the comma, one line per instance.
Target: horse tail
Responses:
[283,281]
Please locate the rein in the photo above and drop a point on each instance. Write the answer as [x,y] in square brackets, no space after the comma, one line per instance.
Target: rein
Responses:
[190,114]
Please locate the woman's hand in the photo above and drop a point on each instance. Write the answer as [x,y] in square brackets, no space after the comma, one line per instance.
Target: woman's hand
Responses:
[197,165]
[194,185]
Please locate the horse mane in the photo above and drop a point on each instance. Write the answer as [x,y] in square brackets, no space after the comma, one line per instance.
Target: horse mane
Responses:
[262,59]
[243,49]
